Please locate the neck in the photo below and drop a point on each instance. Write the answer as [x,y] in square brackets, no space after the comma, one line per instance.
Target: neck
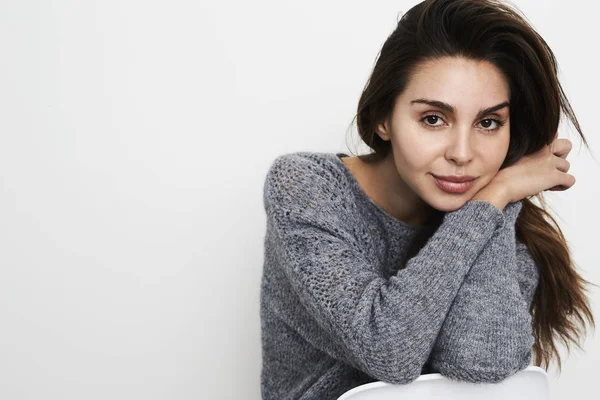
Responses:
[391,192]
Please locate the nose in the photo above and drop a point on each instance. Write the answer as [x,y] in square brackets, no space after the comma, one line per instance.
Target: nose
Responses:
[459,150]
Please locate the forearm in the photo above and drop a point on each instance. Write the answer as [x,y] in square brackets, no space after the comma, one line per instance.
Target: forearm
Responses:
[487,334]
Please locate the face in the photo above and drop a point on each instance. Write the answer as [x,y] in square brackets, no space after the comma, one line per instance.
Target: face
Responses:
[439,128]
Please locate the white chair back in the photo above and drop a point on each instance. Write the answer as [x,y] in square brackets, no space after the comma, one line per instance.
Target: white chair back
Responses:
[528,384]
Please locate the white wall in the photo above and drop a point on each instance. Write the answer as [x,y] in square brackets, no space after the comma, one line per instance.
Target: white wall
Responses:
[134,140]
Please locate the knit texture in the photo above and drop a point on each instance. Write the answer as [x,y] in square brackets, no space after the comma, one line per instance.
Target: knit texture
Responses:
[337,311]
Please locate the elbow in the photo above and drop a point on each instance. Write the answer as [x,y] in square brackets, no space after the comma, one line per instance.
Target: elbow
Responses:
[486,363]
[482,372]
[472,374]
[405,377]
[398,377]
[393,367]
[387,364]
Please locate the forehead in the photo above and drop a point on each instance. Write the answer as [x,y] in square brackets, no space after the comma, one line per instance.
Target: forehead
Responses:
[463,82]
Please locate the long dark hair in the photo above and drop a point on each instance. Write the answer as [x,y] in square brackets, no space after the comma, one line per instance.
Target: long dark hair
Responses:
[497,32]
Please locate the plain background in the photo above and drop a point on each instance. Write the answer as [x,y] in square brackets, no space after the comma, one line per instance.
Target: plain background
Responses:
[134,141]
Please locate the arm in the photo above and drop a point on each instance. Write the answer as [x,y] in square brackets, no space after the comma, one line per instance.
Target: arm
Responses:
[487,335]
[385,328]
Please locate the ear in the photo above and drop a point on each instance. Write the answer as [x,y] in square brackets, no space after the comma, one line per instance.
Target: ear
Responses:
[383,131]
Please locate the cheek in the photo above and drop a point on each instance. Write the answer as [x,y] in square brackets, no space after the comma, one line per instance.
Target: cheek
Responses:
[495,153]
[415,152]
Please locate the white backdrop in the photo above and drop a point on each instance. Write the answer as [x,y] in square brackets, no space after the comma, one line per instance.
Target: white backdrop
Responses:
[134,141]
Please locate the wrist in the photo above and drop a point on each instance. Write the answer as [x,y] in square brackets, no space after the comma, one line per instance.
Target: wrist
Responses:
[493,194]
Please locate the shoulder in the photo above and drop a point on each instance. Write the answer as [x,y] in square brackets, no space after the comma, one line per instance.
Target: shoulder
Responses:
[304,179]
[304,164]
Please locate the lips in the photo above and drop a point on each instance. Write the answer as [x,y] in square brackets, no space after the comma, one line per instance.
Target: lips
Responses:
[455,178]
[454,187]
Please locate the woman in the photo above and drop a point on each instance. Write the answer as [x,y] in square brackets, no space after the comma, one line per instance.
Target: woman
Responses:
[427,254]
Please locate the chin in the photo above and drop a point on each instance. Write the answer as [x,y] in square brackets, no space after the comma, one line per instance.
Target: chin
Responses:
[449,203]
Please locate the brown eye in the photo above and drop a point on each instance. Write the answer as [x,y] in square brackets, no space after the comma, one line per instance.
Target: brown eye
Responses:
[499,124]
[431,120]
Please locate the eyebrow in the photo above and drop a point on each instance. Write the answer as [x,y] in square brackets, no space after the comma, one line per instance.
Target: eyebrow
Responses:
[450,109]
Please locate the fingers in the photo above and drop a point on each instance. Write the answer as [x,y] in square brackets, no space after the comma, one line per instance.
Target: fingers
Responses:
[564,180]
[561,147]
[562,164]
[569,180]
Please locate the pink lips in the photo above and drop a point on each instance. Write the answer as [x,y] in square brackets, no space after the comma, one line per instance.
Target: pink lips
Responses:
[453,187]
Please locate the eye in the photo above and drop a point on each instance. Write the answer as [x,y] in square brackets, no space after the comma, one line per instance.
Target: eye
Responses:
[430,121]
[499,124]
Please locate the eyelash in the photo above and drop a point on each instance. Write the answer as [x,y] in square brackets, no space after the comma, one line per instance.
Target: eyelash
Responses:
[497,121]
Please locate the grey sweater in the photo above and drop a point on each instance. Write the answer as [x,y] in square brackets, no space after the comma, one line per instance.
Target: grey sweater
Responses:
[337,311]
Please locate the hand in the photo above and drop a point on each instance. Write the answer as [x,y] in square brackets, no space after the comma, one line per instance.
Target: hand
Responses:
[545,169]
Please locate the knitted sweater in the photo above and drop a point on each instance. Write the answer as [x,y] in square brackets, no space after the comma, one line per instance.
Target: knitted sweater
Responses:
[338,312]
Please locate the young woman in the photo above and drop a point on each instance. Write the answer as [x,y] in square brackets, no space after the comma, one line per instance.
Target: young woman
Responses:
[428,254]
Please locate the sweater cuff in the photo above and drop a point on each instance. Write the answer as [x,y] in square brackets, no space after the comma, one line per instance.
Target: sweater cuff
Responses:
[511,212]
[481,209]
[502,218]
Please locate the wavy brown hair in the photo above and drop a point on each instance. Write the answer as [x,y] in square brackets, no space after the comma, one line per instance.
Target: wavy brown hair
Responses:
[497,32]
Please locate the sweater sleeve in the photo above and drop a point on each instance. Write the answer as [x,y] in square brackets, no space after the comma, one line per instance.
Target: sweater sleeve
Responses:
[384,327]
[487,335]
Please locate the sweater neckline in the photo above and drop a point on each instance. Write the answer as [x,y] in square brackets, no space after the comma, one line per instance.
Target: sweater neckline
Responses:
[390,218]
